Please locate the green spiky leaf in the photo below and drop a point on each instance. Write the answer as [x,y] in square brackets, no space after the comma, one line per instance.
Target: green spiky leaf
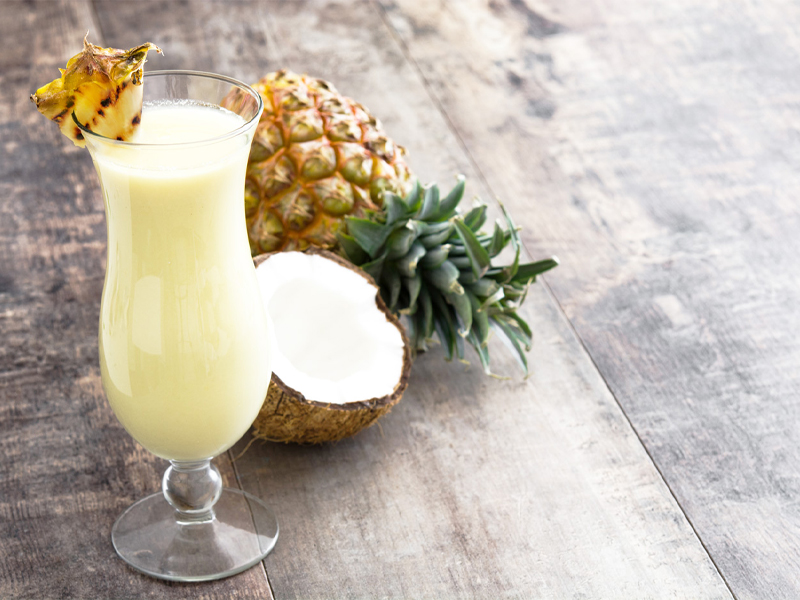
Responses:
[510,337]
[460,302]
[371,236]
[507,273]
[414,337]
[391,284]
[476,217]
[447,207]
[427,229]
[460,347]
[498,242]
[436,239]
[480,320]
[407,265]
[445,278]
[395,208]
[492,299]
[413,285]
[527,273]
[485,287]
[513,292]
[414,197]
[482,351]
[467,277]
[430,203]
[353,252]
[374,268]
[399,241]
[435,257]
[444,324]
[458,249]
[514,320]
[427,312]
[478,257]
[462,262]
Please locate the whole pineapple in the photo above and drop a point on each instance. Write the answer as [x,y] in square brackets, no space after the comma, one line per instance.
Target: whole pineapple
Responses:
[323,173]
[316,158]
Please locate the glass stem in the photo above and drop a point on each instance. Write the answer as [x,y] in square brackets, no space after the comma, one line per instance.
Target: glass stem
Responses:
[192,488]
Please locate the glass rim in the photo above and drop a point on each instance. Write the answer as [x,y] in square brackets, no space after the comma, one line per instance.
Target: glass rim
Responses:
[89,134]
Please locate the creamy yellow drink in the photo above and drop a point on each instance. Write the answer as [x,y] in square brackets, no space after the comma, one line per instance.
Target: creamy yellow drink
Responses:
[183,334]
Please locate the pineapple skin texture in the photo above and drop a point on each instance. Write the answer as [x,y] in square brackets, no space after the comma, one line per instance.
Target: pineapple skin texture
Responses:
[317,157]
[102,87]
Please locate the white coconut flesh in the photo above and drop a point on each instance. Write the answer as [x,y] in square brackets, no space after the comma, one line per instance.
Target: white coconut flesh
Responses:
[330,341]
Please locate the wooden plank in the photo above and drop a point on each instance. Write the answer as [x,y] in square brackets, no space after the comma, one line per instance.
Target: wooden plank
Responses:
[68,469]
[471,487]
[476,488]
[652,146]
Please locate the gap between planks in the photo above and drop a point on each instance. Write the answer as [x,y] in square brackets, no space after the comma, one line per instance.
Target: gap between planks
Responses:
[237,477]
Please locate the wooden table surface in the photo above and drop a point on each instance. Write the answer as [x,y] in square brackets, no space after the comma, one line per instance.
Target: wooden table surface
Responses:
[655,450]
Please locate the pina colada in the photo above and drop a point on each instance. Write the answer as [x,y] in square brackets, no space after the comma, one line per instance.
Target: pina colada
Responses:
[183,335]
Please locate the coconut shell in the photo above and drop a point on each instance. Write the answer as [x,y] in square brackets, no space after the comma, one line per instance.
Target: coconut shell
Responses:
[288,416]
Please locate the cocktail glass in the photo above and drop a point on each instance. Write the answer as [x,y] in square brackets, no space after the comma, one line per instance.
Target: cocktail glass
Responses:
[183,336]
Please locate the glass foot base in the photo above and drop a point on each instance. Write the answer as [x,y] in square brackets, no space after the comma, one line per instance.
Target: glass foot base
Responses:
[150,538]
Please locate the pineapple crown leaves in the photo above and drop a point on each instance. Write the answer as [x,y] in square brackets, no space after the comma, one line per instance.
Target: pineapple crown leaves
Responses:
[434,265]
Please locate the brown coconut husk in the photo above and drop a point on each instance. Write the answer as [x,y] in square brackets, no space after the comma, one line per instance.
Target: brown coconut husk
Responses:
[288,416]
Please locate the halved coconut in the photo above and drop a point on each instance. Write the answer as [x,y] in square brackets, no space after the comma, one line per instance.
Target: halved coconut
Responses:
[340,358]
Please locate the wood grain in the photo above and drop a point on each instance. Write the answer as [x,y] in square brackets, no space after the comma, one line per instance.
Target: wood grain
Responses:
[471,487]
[68,468]
[653,146]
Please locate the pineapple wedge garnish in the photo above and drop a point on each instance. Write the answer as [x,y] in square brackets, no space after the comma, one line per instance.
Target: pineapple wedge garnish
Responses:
[102,86]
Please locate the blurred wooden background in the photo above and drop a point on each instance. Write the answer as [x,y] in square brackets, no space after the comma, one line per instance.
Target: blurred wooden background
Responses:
[654,452]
